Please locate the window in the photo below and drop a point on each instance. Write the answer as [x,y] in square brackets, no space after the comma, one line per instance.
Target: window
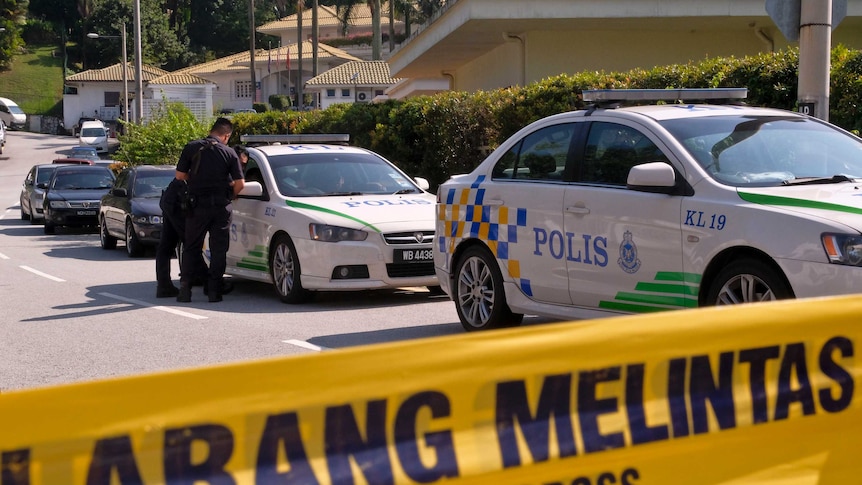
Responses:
[242,89]
[541,155]
[330,93]
[345,92]
[612,150]
[112,98]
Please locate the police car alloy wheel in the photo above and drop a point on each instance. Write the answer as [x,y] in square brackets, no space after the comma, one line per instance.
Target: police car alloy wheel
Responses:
[747,281]
[286,270]
[479,297]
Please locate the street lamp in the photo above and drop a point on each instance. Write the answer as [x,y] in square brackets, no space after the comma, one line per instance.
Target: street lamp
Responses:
[122,38]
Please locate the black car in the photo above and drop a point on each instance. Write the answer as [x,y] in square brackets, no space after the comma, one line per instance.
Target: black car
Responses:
[73,195]
[130,210]
[33,192]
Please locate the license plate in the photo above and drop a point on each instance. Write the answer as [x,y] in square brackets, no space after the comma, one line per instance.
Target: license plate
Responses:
[414,255]
[86,213]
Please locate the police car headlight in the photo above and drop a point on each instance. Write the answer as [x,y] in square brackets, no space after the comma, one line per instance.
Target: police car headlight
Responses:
[843,248]
[327,233]
[59,204]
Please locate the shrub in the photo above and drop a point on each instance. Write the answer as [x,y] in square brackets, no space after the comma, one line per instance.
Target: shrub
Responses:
[161,140]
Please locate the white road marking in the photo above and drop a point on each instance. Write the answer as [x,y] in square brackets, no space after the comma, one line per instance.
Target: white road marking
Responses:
[3,256]
[44,275]
[155,307]
[304,344]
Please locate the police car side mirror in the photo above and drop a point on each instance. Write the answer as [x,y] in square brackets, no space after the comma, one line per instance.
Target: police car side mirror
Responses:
[422,183]
[251,189]
[658,177]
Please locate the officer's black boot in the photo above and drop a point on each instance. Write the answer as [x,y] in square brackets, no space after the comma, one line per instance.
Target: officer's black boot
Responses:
[213,290]
[185,294]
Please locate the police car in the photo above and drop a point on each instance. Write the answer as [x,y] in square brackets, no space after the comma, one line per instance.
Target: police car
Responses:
[617,210]
[326,216]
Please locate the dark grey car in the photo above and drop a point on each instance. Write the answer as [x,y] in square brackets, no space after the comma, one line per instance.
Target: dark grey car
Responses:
[73,195]
[130,210]
[33,191]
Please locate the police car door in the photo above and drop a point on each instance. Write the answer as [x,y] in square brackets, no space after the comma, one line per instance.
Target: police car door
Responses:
[528,186]
[623,247]
[246,254]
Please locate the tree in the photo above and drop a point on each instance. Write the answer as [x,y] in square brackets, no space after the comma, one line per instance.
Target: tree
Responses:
[13,14]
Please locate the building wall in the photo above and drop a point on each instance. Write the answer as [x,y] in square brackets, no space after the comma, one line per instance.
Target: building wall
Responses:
[89,100]
[613,50]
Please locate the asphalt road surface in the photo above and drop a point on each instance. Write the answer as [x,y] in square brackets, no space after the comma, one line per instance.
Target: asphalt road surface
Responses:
[73,312]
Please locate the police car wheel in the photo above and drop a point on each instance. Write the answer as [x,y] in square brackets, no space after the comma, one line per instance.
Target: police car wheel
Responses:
[478,292]
[285,271]
[747,281]
[106,240]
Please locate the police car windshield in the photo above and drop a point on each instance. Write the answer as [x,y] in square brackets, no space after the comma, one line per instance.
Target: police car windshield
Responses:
[768,150]
[337,174]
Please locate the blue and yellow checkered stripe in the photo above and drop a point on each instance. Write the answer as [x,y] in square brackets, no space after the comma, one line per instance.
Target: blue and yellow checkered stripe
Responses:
[466,216]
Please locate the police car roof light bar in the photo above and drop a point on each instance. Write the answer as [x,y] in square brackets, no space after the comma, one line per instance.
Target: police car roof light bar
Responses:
[330,138]
[617,95]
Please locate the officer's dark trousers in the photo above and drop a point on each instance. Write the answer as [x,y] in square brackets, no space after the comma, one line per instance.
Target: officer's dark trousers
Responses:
[173,232]
[212,218]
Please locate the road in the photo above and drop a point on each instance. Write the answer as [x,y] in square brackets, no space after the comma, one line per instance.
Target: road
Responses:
[74,312]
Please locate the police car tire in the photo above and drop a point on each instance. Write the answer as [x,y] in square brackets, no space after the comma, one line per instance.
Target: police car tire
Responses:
[476,272]
[285,269]
[106,241]
[733,284]
[133,245]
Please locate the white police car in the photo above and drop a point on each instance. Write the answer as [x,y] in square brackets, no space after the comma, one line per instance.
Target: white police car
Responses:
[618,210]
[329,217]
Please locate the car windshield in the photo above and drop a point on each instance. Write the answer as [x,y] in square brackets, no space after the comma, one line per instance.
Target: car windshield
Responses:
[91,179]
[89,153]
[93,132]
[337,173]
[769,150]
[16,110]
[150,185]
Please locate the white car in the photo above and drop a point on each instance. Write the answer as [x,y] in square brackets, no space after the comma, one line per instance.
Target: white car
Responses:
[94,134]
[618,210]
[329,217]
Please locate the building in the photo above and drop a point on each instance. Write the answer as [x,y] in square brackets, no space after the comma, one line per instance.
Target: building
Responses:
[352,82]
[488,44]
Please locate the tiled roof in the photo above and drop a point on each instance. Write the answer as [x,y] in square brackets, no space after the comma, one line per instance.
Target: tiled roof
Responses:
[368,73]
[240,61]
[360,16]
[179,79]
[115,74]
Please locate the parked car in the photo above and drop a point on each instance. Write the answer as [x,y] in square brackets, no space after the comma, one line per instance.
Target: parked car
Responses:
[73,161]
[94,134]
[76,129]
[2,136]
[12,114]
[73,195]
[619,210]
[321,217]
[33,192]
[130,210]
[88,153]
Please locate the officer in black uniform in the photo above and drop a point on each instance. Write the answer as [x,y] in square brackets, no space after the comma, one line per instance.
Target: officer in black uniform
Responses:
[173,233]
[214,177]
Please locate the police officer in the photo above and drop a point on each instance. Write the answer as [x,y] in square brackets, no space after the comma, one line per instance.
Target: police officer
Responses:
[173,233]
[214,178]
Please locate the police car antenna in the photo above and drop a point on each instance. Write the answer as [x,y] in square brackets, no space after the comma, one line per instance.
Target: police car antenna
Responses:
[307,138]
[613,98]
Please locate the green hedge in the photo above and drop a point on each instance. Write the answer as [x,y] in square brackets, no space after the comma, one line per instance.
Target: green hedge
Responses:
[452,132]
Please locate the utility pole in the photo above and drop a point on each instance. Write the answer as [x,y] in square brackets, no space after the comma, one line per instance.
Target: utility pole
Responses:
[251,51]
[815,42]
[299,101]
[139,78]
[315,24]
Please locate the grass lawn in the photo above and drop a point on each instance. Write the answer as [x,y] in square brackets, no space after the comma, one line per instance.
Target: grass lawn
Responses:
[35,81]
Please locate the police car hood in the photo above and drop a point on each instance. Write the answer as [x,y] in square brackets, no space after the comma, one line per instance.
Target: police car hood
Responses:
[840,202]
[382,213]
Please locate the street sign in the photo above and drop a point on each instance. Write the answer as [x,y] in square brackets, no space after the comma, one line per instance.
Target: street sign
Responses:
[807,108]
[786,13]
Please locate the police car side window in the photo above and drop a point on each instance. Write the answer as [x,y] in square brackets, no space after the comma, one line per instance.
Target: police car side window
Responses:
[540,156]
[612,150]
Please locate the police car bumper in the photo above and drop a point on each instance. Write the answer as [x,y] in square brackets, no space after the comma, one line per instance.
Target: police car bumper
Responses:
[347,265]
[809,279]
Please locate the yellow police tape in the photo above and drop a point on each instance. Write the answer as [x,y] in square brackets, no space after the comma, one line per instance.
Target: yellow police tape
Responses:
[763,394]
